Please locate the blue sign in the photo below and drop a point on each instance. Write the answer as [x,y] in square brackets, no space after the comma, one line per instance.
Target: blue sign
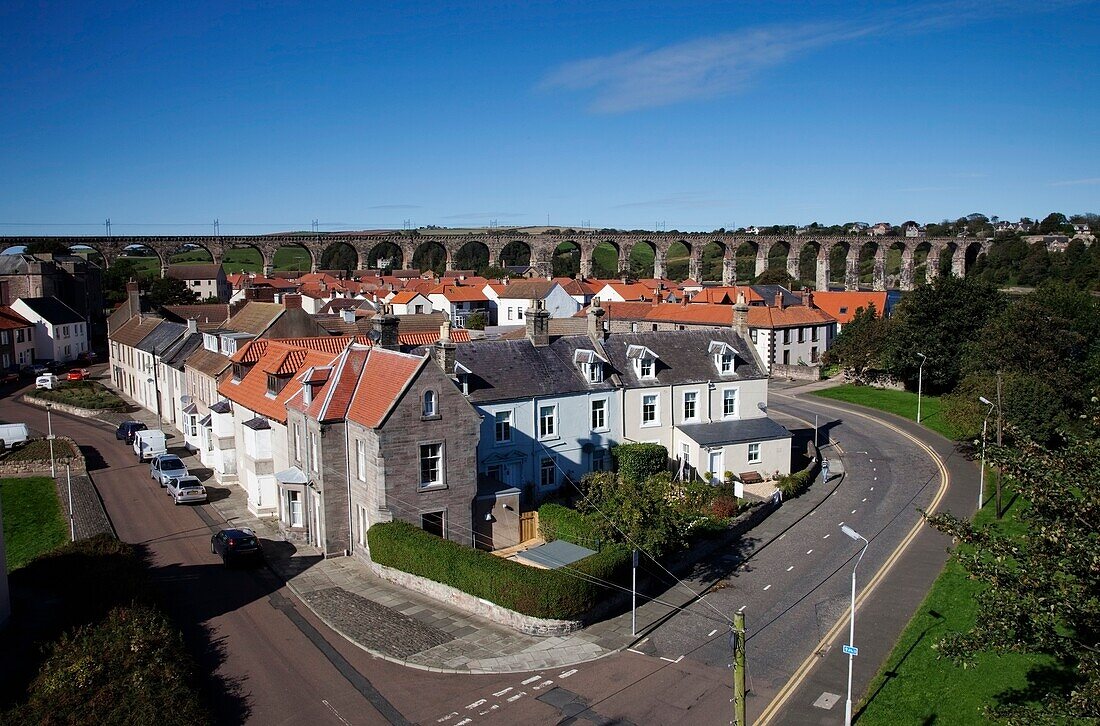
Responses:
[851,650]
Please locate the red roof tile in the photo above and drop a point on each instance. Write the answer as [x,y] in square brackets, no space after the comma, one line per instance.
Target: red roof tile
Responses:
[384,377]
[251,391]
[10,320]
[842,305]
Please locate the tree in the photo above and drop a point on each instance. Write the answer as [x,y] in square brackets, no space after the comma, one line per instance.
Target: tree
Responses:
[1055,223]
[115,277]
[1042,593]
[937,320]
[48,246]
[858,347]
[162,291]
[339,257]
[635,513]
[777,276]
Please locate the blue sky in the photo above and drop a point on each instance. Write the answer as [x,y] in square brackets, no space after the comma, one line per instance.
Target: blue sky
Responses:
[165,116]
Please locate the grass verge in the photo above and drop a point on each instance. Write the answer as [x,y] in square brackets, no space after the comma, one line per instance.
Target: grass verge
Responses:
[917,687]
[83,394]
[902,403]
[33,523]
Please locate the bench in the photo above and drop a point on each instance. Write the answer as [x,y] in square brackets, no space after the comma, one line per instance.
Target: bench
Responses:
[750,477]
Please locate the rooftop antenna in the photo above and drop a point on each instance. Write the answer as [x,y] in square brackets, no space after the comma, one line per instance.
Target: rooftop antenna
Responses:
[107,225]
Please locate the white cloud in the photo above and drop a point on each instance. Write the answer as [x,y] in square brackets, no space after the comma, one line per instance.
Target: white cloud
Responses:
[1076,182]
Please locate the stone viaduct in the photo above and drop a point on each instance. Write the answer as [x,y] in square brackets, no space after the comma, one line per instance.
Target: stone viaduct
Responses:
[540,249]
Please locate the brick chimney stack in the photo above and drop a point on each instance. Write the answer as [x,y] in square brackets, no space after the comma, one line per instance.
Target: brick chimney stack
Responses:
[538,324]
[595,321]
[741,315]
[807,298]
[779,299]
[292,302]
[385,328]
[444,350]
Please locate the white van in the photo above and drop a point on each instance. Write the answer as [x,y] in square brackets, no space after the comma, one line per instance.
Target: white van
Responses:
[48,380]
[13,435]
[148,444]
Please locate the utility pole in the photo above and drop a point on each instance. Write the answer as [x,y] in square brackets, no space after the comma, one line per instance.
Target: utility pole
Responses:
[737,639]
[998,442]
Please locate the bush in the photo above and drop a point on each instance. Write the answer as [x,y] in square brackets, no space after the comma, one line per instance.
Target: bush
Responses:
[794,484]
[642,513]
[636,462]
[558,522]
[84,394]
[724,506]
[560,594]
[131,667]
[476,321]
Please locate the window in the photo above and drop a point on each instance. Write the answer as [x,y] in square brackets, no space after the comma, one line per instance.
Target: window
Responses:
[754,453]
[509,313]
[193,424]
[548,421]
[753,335]
[495,471]
[786,336]
[274,384]
[503,426]
[364,524]
[519,313]
[729,403]
[786,357]
[464,383]
[548,473]
[431,465]
[361,459]
[801,335]
[843,310]
[691,398]
[294,508]
[813,334]
[649,409]
[595,372]
[429,404]
[5,337]
[725,362]
[297,442]
[599,459]
[313,463]
[418,309]
[813,354]
[599,414]
[434,523]
[645,367]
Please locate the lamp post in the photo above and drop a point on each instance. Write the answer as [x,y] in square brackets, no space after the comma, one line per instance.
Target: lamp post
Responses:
[49,437]
[985,423]
[920,380]
[850,648]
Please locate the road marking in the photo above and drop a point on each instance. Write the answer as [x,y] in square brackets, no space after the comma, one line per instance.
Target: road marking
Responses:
[782,535]
[635,651]
[809,552]
[530,680]
[492,708]
[568,673]
[672,661]
[813,512]
[711,633]
[767,587]
[463,722]
[872,488]
[521,694]
[335,712]
[826,536]
[841,524]
[542,685]
[790,568]
[479,702]
[498,694]
[865,499]
[448,717]
[813,658]
[853,511]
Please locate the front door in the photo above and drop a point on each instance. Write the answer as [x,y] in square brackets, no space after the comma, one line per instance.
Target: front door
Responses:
[715,466]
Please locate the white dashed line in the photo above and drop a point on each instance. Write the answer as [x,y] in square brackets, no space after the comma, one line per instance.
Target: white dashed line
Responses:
[335,712]
[711,633]
[865,499]
[567,673]
[492,708]
[872,488]
[767,587]
[813,513]
[498,694]
[516,697]
[826,537]
[782,535]
[809,552]
[842,524]
[448,717]
[672,661]
[531,680]
[479,702]
[853,511]
[635,651]
[542,685]
[463,722]
[790,568]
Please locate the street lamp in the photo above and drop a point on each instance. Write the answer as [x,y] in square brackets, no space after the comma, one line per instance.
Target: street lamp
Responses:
[920,380]
[850,649]
[49,437]
[985,423]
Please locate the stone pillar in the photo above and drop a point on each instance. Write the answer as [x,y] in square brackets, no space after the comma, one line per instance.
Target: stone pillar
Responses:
[312,265]
[905,281]
[163,270]
[851,269]
[958,262]
[543,268]
[822,277]
[793,257]
[878,274]
[695,265]
[659,264]
[932,264]
[761,259]
[729,268]
[449,264]
[268,269]
[586,264]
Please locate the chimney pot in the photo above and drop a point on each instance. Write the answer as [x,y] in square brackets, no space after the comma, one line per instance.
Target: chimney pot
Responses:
[292,302]
[779,299]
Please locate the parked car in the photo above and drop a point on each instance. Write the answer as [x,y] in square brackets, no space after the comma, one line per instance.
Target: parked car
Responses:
[87,356]
[149,443]
[13,434]
[236,544]
[128,429]
[33,369]
[186,489]
[57,366]
[9,376]
[165,467]
[47,380]
[78,374]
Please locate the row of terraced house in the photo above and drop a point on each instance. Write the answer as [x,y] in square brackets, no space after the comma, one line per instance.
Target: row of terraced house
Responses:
[331,434]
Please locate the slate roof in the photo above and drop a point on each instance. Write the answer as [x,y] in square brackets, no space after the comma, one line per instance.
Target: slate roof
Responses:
[163,336]
[768,293]
[683,356]
[502,370]
[52,310]
[717,433]
[177,355]
[208,362]
[255,317]
[134,330]
[527,289]
[222,406]
[194,272]
[558,326]
[207,314]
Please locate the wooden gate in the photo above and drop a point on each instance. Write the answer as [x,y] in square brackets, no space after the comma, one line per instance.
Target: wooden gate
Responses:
[528,525]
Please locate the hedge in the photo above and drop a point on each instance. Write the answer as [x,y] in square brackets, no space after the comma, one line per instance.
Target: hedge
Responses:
[557,594]
[558,522]
[83,394]
[795,484]
[638,461]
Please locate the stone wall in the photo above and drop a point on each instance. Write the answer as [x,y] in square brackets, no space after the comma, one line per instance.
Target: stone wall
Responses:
[61,459]
[797,373]
[64,407]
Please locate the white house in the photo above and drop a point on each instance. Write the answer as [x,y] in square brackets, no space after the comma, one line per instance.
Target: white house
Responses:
[514,298]
[459,302]
[207,281]
[410,302]
[60,333]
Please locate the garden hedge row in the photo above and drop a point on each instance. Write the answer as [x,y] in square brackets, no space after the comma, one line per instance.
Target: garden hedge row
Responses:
[558,522]
[557,594]
[635,462]
[795,484]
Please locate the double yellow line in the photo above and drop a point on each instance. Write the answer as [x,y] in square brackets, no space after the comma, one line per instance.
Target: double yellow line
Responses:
[807,665]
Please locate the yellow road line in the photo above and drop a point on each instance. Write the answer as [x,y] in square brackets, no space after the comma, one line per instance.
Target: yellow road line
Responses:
[807,665]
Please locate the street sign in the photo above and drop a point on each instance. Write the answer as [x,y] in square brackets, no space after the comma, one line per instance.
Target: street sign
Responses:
[851,650]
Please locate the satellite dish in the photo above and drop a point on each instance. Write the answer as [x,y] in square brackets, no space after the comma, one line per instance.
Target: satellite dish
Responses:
[374,336]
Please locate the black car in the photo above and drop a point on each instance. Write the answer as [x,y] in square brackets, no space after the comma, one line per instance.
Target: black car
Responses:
[236,544]
[127,429]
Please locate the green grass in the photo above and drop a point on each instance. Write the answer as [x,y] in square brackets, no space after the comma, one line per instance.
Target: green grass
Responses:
[37,450]
[902,403]
[84,394]
[914,687]
[33,522]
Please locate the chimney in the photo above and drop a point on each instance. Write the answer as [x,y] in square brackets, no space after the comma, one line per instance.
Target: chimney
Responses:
[444,350]
[292,302]
[348,315]
[779,299]
[192,326]
[538,324]
[656,298]
[595,321]
[807,298]
[133,297]
[741,315]
[385,328]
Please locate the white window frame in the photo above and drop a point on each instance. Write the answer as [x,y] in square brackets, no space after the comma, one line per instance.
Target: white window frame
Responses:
[725,361]
[543,468]
[361,459]
[550,432]
[647,369]
[595,372]
[364,525]
[314,464]
[438,481]
[430,405]
[656,420]
[754,453]
[295,514]
[602,410]
[497,421]
[736,399]
[694,417]
[297,442]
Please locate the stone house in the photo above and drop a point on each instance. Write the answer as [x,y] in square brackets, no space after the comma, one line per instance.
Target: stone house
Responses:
[206,281]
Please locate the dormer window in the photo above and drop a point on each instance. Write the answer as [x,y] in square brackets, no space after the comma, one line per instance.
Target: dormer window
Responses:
[725,357]
[238,372]
[591,365]
[275,384]
[645,367]
[645,361]
[462,375]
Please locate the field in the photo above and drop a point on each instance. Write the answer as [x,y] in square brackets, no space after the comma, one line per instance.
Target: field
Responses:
[902,403]
[244,259]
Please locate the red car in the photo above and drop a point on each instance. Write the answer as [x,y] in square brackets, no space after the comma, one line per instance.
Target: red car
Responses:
[78,374]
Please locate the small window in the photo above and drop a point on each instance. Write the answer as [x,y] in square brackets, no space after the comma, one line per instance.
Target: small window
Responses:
[814,357]
[725,362]
[754,453]
[238,372]
[361,459]
[599,459]
[429,404]
[434,523]
[548,421]
[801,335]
[786,357]
[314,459]
[843,310]
[813,334]
[274,384]
[503,426]
[431,465]
[649,409]
[786,336]
[364,525]
[548,474]
[599,414]
[691,398]
[595,372]
[753,335]
[729,403]
[645,368]
[297,442]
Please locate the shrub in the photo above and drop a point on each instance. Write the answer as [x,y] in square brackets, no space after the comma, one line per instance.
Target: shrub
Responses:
[558,522]
[559,594]
[724,506]
[84,394]
[131,667]
[794,484]
[476,321]
[641,513]
[635,462]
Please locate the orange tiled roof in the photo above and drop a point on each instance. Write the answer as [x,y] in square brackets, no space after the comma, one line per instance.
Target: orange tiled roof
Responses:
[759,316]
[460,293]
[384,377]
[10,320]
[254,350]
[251,391]
[842,305]
[404,297]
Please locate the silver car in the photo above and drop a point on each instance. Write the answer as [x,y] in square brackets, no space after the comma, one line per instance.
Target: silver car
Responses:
[186,489]
[165,467]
